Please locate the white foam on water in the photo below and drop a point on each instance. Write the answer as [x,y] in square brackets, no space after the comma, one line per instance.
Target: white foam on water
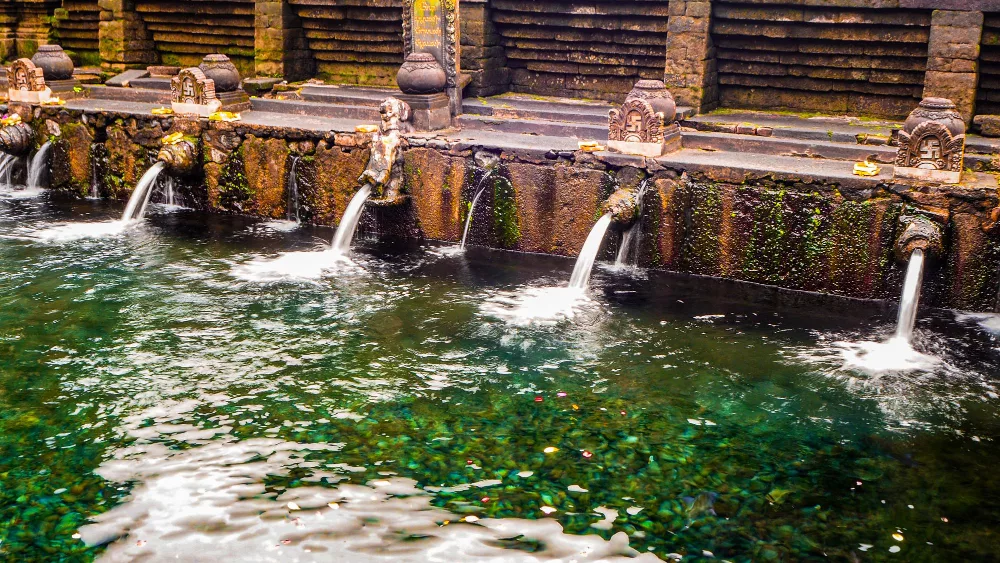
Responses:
[280,226]
[68,232]
[537,305]
[990,322]
[292,266]
[895,355]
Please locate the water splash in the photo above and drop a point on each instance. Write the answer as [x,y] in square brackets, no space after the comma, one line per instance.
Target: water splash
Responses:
[631,237]
[910,299]
[349,223]
[585,263]
[292,213]
[38,165]
[537,305]
[7,165]
[480,190]
[136,207]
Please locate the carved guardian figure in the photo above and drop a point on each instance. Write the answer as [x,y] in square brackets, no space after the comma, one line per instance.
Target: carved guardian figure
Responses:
[385,171]
[932,143]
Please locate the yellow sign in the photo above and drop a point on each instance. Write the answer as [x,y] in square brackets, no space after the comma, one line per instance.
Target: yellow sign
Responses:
[427,28]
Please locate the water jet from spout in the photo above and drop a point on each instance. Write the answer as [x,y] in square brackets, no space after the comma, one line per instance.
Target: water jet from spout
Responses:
[585,263]
[631,237]
[136,207]
[349,223]
[38,165]
[480,190]
[910,299]
[292,207]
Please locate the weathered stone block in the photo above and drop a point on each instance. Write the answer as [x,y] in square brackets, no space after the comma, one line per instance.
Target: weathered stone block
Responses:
[435,183]
[266,163]
[335,182]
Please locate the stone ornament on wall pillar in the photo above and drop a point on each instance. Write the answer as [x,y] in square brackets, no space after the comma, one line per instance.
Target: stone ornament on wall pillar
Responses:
[644,125]
[932,143]
[431,26]
[26,83]
[192,93]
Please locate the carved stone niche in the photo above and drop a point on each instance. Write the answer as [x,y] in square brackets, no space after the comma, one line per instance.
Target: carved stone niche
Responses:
[432,26]
[932,143]
[192,93]
[26,83]
[644,125]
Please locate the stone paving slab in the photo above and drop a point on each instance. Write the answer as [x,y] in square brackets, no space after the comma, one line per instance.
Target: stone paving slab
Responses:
[739,167]
[806,148]
[836,129]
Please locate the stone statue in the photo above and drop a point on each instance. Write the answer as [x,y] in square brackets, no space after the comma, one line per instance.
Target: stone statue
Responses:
[644,124]
[26,83]
[385,172]
[932,143]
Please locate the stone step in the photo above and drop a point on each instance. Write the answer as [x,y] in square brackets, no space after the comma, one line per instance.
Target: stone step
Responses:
[348,95]
[551,112]
[728,142]
[545,127]
[836,129]
[317,109]
[143,95]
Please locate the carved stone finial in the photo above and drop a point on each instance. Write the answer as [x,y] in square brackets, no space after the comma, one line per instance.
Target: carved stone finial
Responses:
[644,125]
[193,93]
[932,143]
[26,83]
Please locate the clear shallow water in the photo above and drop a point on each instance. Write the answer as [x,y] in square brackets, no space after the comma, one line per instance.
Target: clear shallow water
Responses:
[160,398]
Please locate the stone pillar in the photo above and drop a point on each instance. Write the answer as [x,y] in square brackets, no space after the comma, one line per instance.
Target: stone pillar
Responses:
[124,41]
[33,25]
[691,73]
[483,58]
[280,46]
[8,26]
[953,59]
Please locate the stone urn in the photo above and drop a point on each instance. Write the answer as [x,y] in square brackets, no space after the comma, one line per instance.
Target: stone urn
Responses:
[54,62]
[938,110]
[220,69]
[421,74]
[655,92]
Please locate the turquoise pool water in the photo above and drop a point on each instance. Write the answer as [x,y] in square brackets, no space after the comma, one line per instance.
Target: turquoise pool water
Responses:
[163,398]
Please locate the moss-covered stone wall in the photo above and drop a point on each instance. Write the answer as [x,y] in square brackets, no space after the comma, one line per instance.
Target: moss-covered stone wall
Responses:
[800,235]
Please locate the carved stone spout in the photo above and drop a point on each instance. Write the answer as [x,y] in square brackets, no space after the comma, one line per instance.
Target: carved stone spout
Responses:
[385,169]
[181,156]
[919,232]
[624,206]
[17,139]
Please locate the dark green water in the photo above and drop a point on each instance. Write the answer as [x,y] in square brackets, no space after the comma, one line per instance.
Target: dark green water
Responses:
[159,402]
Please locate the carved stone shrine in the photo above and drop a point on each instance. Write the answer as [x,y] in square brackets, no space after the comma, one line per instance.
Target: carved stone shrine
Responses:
[192,93]
[431,26]
[26,83]
[644,125]
[932,143]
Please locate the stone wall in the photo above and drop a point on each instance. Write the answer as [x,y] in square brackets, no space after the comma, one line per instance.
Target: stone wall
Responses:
[988,94]
[830,59]
[557,48]
[799,234]
[184,32]
[354,41]
[76,27]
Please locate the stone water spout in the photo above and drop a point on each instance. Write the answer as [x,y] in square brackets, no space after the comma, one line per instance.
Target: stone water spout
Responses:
[179,154]
[920,240]
[384,173]
[17,139]
[918,233]
[623,206]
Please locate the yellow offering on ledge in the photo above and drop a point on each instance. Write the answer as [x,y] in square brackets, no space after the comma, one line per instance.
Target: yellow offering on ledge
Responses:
[866,168]
[366,128]
[13,119]
[591,146]
[173,138]
[226,116]
[54,102]
[163,111]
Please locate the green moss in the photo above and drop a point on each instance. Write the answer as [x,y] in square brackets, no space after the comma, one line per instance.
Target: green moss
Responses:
[505,220]
[702,247]
[235,193]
